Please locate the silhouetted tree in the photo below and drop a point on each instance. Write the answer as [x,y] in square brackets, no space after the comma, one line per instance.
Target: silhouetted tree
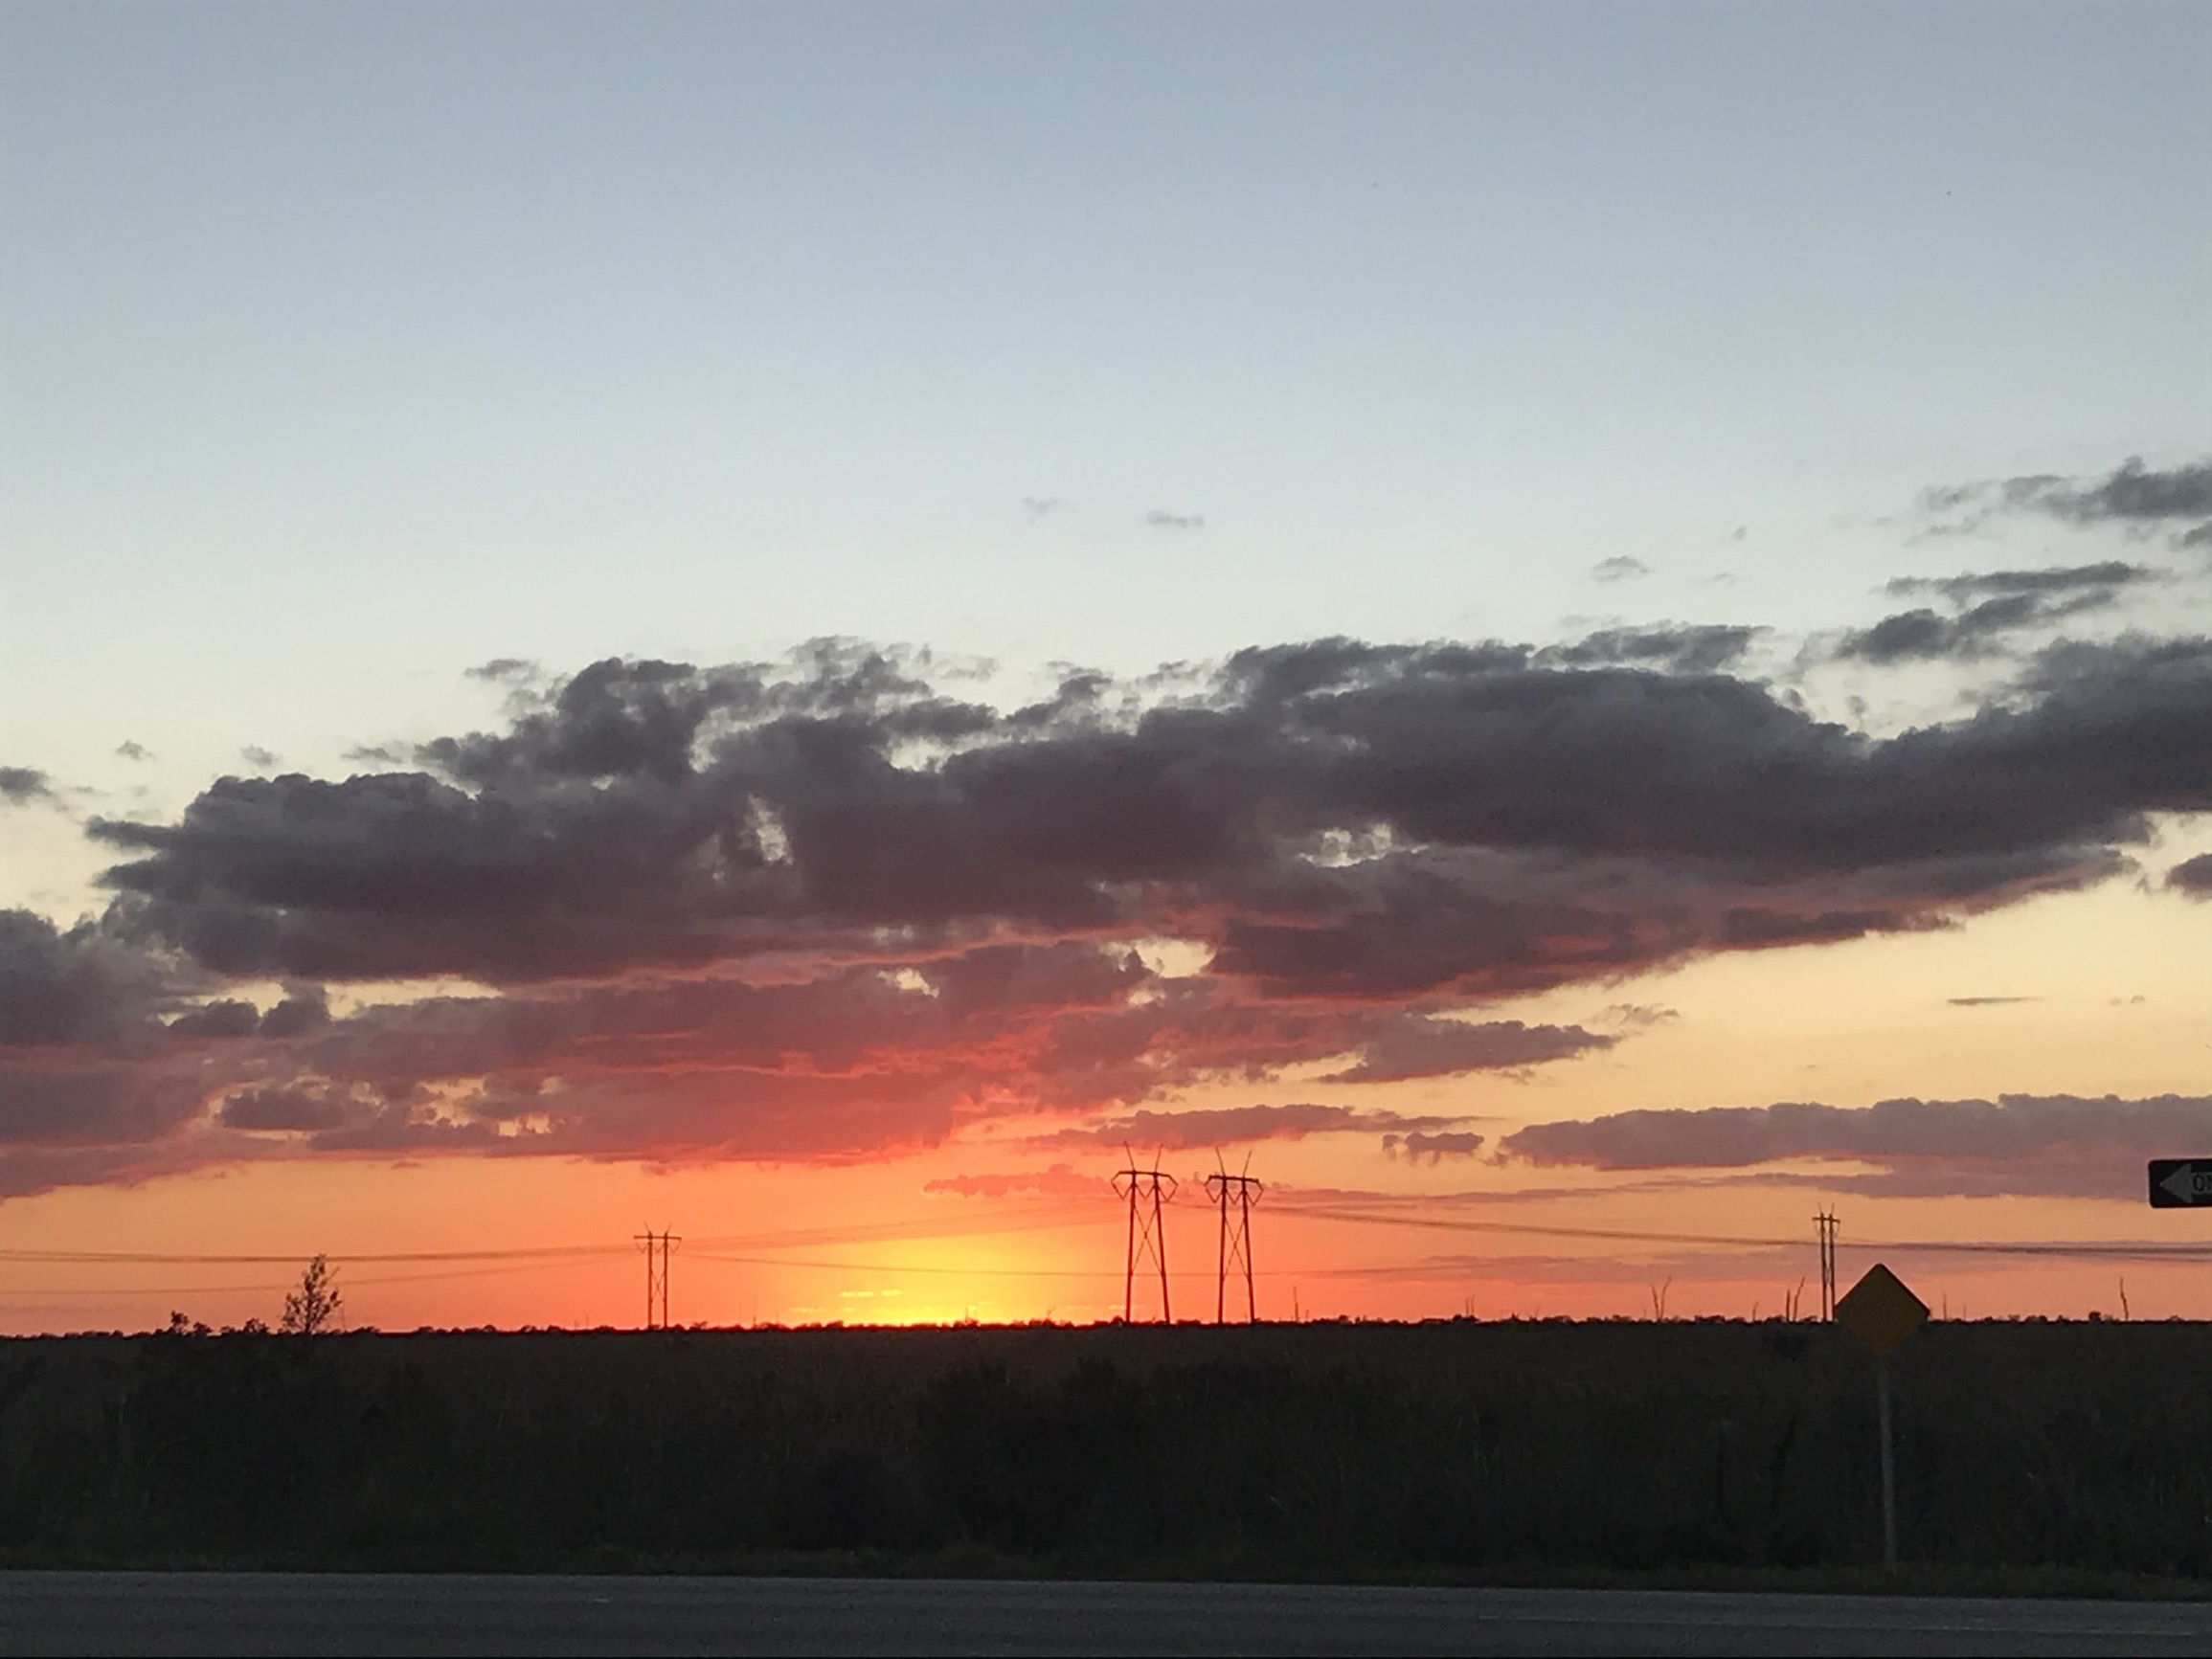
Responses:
[315,1303]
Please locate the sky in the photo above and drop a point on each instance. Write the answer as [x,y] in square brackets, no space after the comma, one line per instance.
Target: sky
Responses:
[1570,632]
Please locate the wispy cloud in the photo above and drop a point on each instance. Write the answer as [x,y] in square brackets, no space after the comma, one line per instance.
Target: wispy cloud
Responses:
[1060,1181]
[2048,1144]
[1676,647]
[24,786]
[1990,611]
[2177,500]
[1417,1144]
[1238,1125]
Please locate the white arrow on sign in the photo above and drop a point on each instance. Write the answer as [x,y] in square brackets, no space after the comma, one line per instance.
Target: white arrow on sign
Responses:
[2178,1183]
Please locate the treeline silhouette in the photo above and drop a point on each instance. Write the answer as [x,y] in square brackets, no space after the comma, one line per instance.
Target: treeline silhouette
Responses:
[1337,1449]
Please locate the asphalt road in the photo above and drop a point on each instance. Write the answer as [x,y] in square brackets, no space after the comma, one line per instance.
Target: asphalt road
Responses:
[411,1613]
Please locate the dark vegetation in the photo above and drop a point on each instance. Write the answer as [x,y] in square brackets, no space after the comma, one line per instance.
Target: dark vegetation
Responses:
[1335,1450]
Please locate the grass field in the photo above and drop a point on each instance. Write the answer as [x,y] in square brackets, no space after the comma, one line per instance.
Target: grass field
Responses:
[2029,1455]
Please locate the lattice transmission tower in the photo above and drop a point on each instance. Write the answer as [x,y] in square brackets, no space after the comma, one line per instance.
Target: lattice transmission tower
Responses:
[658,1247]
[1147,1192]
[1234,1195]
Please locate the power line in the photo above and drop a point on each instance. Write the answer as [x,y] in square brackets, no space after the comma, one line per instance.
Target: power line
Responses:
[170,1259]
[1825,1222]
[469,1263]
[867,1232]
[2086,1249]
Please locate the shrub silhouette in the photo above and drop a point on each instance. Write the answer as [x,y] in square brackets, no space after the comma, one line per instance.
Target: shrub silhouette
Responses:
[314,1307]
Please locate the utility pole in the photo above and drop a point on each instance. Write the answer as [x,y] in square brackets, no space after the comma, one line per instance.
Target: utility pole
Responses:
[1146,1191]
[1825,1224]
[657,1247]
[1233,1196]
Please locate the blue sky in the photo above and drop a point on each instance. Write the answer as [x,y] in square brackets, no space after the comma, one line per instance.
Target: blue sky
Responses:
[385,339]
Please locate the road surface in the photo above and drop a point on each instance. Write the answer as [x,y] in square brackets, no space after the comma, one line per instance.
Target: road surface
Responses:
[457,1613]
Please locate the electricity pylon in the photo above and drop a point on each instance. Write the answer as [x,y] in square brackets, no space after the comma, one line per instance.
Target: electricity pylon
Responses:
[1233,1196]
[1147,1192]
[657,1247]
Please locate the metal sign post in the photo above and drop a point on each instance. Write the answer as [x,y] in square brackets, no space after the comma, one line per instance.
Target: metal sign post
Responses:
[1888,1469]
[1880,1313]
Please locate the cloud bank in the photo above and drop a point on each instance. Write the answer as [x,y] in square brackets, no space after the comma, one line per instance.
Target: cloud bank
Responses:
[830,907]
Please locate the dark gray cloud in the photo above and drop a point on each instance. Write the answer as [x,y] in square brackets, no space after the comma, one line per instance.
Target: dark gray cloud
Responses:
[1621,568]
[130,751]
[1908,636]
[224,1017]
[22,785]
[2063,582]
[1989,611]
[2014,1144]
[302,1012]
[85,986]
[2179,499]
[1414,1045]
[1544,824]
[509,670]
[2192,876]
[1988,1001]
[304,1009]
[2133,492]
[1676,648]
[50,1099]
[287,1108]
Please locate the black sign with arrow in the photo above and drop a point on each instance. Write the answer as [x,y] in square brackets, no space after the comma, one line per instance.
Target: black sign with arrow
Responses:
[2180,1182]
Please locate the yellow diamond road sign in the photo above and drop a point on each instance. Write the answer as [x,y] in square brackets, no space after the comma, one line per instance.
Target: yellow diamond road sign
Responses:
[1879,1312]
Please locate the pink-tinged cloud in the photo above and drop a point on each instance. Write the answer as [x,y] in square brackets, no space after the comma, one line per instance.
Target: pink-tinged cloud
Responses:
[1237,1125]
[1059,1181]
[1435,1147]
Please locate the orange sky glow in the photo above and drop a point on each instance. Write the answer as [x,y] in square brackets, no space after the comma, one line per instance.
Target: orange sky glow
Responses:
[2113,995]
